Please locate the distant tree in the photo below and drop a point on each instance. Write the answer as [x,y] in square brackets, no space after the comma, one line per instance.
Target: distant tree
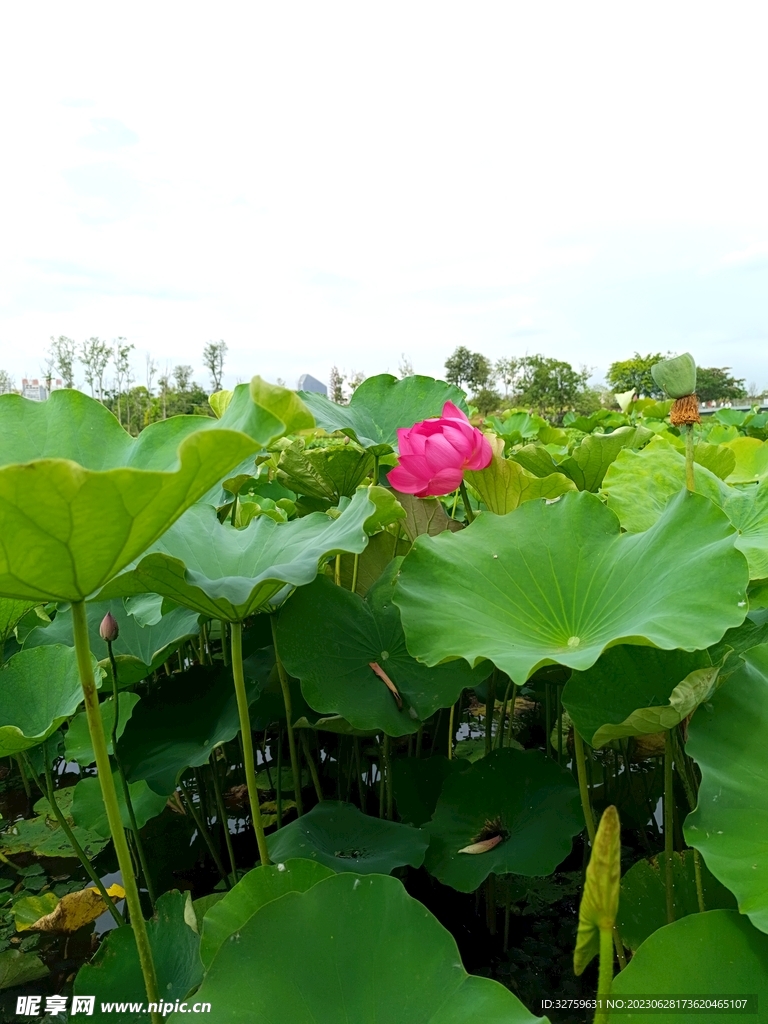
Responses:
[151,370]
[213,361]
[715,384]
[550,385]
[182,374]
[121,360]
[6,382]
[506,372]
[356,379]
[62,356]
[336,386]
[405,366]
[486,400]
[635,375]
[470,368]
[95,355]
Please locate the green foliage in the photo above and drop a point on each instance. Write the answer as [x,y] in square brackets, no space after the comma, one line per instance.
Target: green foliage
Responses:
[549,385]
[635,375]
[715,384]
[468,368]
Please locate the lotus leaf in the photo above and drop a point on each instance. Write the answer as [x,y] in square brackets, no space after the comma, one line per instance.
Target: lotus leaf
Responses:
[343,838]
[730,823]
[350,949]
[589,462]
[380,406]
[382,548]
[560,583]
[751,460]
[39,690]
[417,782]
[114,974]
[642,907]
[88,809]
[231,574]
[11,613]
[82,498]
[43,835]
[523,797]
[637,691]
[139,649]
[179,725]
[252,892]
[712,954]
[77,743]
[504,484]
[424,515]
[17,968]
[324,472]
[537,459]
[329,638]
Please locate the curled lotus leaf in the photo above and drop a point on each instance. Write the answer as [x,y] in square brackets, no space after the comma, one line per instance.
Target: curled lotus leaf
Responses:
[82,498]
[494,797]
[350,948]
[704,955]
[559,583]
[331,640]
[340,836]
[729,827]
[504,484]
[380,406]
[638,691]
[227,573]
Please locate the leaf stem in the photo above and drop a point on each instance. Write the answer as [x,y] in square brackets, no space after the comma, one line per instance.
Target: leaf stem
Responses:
[286,688]
[669,815]
[689,477]
[451,732]
[247,738]
[467,506]
[578,752]
[111,805]
[223,816]
[605,975]
[312,767]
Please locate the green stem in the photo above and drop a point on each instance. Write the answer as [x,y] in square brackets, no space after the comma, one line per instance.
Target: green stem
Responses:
[337,570]
[359,770]
[279,786]
[124,781]
[224,647]
[503,717]
[79,852]
[669,815]
[109,795]
[285,687]
[247,738]
[388,776]
[490,707]
[699,881]
[511,722]
[24,777]
[689,477]
[312,767]
[202,827]
[451,732]
[605,975]
[355,568]
[223,816]
[578,751]
[467,507]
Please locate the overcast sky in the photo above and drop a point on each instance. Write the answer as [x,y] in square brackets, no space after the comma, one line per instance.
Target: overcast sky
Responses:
[322,183]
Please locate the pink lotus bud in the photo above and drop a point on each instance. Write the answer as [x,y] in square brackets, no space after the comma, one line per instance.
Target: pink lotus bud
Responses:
[109,629]
[435,453]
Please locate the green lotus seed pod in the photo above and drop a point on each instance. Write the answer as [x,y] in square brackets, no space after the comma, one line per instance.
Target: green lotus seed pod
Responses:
[676,376]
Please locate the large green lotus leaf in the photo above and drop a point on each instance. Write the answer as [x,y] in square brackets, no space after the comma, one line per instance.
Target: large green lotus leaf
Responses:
[643,903]
[424,515]
[114,974]
[351,949]
[730,824]
[39,690]
[231,574]
[82,498]
[261,410]
[559,583]
[537,459]
[739,640]
[43,836]
[178,725]
[504,484]
[637,691]
[639,484]
[751,460]
[17,968]
[340,836]
[380,406]
[77,742]
[417,782]
[329,638]
[713,954]
[138,650]
[381,549]
[11,613]
[252,892]
[89,812]
[328,472]
[589,462]
[521,795]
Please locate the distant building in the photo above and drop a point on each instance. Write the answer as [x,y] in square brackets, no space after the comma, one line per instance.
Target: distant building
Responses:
[309,383]
[37,391]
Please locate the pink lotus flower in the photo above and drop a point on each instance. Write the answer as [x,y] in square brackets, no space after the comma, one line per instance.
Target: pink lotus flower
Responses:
[435,453]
